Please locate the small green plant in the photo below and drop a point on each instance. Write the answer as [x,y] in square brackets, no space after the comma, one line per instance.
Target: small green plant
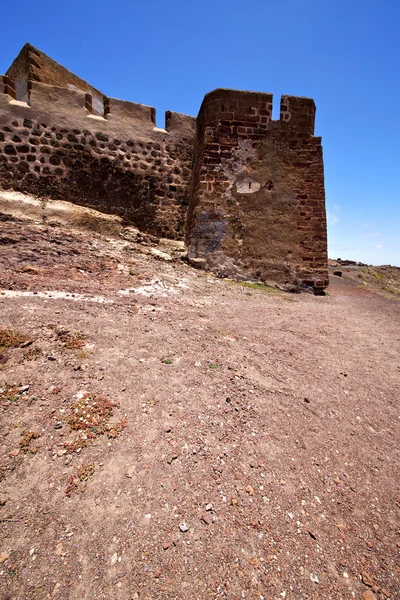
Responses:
[9,393]
[259,286]
[167,361]
[212,366]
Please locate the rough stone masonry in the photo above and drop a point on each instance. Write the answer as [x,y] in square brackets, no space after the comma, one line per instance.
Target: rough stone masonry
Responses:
[245,192]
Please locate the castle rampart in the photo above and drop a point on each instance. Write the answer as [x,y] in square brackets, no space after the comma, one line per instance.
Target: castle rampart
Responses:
[246,191]
[120,163]
[257,200]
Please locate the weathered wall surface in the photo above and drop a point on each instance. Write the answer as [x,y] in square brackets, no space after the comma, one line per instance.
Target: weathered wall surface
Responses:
[257,205]
[120,164]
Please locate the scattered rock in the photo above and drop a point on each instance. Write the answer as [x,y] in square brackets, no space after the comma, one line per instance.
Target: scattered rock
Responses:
[26,344]
[166,545]
[314,578]
[184,527]
[205,519]
[209,506]
[161,255]
[250,490]
[171,458]
[130,234]
[131,472]
[24,388]
[4,556]
[198,263]
[312,534]
[368,595]
[114,559]
[14,452]
[366,579]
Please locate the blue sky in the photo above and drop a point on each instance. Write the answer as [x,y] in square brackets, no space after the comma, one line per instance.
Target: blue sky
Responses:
[344,54]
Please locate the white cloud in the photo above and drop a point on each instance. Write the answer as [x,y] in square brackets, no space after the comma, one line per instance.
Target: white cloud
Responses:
[332,218]
[366,225]
[378,246]
[375,234]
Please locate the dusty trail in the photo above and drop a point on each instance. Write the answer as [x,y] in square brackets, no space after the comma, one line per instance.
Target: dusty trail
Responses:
[261,448]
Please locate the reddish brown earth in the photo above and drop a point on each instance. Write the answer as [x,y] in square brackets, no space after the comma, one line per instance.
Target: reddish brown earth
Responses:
[265,424]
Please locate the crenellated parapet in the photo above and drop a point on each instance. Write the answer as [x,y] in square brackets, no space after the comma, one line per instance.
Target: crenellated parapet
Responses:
[57,145]
[73,107]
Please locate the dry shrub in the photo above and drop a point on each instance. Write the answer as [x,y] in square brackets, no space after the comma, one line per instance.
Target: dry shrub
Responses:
[32,353]
[27,437]
[72,341]
[77,483]
[13,339]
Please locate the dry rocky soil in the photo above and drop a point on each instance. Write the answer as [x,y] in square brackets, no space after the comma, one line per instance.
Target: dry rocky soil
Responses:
[169,435]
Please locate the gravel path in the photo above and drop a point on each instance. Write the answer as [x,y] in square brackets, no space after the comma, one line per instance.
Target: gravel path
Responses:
[248,445]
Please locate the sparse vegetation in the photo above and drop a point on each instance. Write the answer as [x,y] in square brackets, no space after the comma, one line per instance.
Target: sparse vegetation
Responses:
[90,417]
[8,392]
[168,361]
[32,353]
[259,286]
[77,483]
[384,280]
[12,339]
[72,341]
[27,438]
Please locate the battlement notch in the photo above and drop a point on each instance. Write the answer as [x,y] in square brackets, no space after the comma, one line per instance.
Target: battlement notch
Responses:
[298,112]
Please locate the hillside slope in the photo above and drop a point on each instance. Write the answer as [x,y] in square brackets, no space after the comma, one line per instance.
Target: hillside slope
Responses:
[166,434]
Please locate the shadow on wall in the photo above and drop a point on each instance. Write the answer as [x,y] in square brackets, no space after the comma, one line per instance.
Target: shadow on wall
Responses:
[96,183]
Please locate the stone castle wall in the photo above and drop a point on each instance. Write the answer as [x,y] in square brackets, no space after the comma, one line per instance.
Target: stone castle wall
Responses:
[246,191]
[120,164]
[257,206]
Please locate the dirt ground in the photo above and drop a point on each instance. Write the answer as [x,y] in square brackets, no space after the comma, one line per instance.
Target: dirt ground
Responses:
[169,435]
